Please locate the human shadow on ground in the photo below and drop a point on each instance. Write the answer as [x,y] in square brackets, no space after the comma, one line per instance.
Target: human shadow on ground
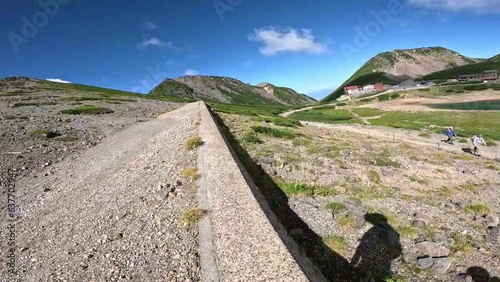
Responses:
[479,274]
[468,151]
[331,264]
[379,246]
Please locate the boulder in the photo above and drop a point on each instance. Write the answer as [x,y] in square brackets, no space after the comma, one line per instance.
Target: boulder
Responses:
[492,220]
[441,265]
[432,249]
[425,263]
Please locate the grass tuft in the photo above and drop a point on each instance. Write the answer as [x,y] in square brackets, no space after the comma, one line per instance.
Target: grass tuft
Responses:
[87,110]
[374,177]
[336,243]
[44,133]
[191,173]
[462,243]
[478,209]
[335,207]
[275,132]
[347,222]
[191,216]
[251,137]
[193,143]
[408,232]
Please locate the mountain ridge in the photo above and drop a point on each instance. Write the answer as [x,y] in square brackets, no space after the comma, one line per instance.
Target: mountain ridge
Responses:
[229,90]
[393,67]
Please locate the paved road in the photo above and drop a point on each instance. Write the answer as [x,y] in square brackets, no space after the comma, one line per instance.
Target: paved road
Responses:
[107,214]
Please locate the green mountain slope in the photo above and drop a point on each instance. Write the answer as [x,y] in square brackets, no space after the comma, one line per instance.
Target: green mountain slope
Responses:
[463,70]
[20,85]
[399,65]
[170,87]
[228,90]
[495,58]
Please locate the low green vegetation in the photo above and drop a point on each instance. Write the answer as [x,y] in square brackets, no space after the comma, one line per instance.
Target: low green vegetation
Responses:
[275,132]
[407,232]
[328,116]
[190,173]
[278,121]
[305,190]
[368,112]
[478,209]
[87,110]
[191,216]
[246,110]
[336,243]
[335,207]
[44,133]
[462,243]
[467,124]
[251,137]
[347,222]
[463,70]
[193,143]
[374,177]
[33,104]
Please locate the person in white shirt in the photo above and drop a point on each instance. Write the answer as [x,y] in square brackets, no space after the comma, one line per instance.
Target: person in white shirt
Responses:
[476,141]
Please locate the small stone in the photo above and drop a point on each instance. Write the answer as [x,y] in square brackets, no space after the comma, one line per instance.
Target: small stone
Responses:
[425,263]
[387,172]
[441,265]
[495,233]
[432,249]
[266,160]
[418,223]
[492,220]
[463,278]
[115,237]
[341,189]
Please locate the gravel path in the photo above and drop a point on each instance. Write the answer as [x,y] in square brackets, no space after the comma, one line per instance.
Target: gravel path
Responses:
[114,212]
[409,136]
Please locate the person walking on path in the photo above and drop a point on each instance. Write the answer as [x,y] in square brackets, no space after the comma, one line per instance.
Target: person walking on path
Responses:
[476,141]
[450,132]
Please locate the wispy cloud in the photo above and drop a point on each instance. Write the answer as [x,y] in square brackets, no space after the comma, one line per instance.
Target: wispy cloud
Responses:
[58,80]
[248,64]
[478,6]
[289,40]
[150,25]
[155,41]
[191,72]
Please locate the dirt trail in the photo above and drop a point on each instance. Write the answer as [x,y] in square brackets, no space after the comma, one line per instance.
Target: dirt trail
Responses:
[112,212]
[409,136]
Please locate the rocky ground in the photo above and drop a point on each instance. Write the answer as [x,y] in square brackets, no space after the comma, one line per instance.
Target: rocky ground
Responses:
[34,134]
[390,208]
[98,197]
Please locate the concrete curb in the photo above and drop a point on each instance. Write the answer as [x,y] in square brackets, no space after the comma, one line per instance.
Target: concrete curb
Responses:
[240,238]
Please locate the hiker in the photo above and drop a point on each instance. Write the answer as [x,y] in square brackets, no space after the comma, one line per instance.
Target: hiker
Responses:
[476,141]
[450,132]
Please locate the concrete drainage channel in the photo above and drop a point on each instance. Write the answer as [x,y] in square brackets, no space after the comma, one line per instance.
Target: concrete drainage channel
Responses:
[240,238]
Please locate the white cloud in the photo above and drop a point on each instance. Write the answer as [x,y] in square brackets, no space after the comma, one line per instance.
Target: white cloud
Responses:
[150,26]
[191,72]
[155,41]
[58,80]
[289,40]
[479,6]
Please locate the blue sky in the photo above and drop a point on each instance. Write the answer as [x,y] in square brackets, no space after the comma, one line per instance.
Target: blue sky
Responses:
[311,46]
